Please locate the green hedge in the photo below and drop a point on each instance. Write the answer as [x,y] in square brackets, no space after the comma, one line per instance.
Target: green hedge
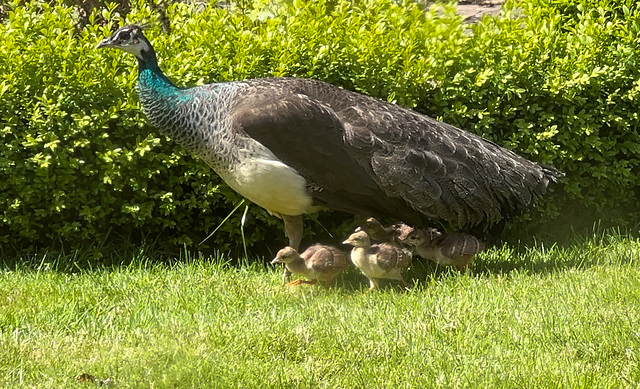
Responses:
[79,163]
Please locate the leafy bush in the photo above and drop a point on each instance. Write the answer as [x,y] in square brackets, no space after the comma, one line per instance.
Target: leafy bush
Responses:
[79,163]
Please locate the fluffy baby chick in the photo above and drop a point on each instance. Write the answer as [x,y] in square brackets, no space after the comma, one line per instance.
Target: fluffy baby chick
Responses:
[456,249]
[378,233]
[378,261]
[318,262]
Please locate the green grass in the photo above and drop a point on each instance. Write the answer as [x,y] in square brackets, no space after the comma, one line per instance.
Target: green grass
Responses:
[542,318]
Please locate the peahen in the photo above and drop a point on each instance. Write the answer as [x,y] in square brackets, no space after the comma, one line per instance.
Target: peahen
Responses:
[295,146]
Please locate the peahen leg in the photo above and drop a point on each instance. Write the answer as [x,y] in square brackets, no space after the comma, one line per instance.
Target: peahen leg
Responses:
[293,230]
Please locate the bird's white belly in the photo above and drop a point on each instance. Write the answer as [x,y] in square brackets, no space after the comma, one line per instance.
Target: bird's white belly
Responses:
[366,264]
[270,184]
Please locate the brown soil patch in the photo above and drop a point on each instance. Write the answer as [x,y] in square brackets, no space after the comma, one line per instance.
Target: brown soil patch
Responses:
[473,10]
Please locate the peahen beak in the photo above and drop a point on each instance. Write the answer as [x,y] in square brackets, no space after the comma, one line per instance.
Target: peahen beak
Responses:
[106,42]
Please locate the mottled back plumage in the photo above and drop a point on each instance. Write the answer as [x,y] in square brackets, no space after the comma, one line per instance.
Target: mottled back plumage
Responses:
[458,244]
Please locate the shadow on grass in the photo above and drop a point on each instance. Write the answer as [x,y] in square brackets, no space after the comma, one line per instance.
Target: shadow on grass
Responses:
[90,259]
[610,248]
[614,250]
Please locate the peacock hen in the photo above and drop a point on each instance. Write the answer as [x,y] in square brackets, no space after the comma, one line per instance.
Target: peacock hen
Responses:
[295,146]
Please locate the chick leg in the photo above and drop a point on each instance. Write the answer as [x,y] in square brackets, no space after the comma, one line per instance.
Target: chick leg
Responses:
[463,263]
[461,268]
[404,283]
[300,281]
[286,274]
[327,283]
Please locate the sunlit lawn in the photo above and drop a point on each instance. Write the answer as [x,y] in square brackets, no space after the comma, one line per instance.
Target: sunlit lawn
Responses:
[543,318]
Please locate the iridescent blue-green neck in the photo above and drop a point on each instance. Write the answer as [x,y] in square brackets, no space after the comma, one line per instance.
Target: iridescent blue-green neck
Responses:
[150,74]
[159,96]
[196,118]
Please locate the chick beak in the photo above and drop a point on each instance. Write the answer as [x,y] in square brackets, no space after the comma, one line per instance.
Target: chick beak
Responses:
[275,261]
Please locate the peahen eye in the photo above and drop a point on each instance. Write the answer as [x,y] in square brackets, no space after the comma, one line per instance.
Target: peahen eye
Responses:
[125,35]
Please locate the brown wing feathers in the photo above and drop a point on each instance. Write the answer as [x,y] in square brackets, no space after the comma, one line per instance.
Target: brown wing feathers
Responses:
[366,155]
[308,136]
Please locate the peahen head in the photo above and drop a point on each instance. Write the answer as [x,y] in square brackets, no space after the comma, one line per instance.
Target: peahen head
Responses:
[131,40]
[158,95]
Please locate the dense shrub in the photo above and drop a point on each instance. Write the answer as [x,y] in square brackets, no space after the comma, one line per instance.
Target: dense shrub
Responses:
[79,163]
